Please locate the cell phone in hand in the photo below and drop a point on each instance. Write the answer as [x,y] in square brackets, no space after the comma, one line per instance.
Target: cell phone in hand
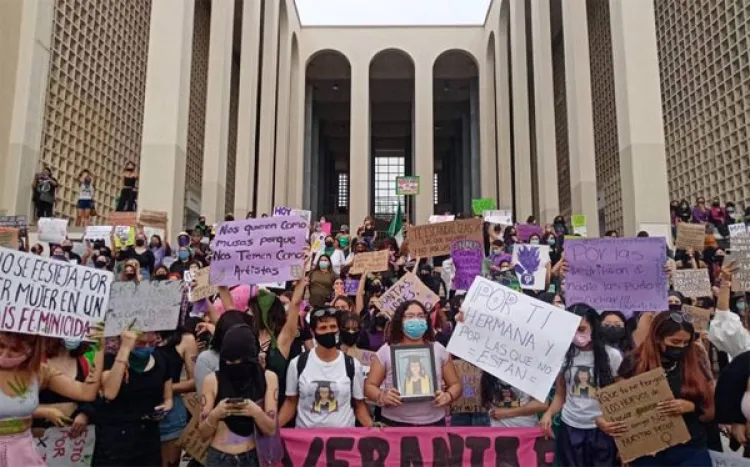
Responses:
[236,401]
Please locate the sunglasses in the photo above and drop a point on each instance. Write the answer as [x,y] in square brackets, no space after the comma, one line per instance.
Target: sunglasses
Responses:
[324,312]
[680,318]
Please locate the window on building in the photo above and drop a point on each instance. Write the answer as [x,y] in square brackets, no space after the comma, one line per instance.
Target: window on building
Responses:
[388,166]
[435,189]
[343,195]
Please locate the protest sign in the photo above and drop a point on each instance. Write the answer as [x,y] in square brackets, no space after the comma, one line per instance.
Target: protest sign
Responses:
[502,217]
[273,285]
[692,282]
[633,401]
[58,449]
[740,255]
[49,297]
[519,339]
[418,446]
[409,287]
[471,397]
[255,251]
[129,219]
[98,232]
[655,229]
[191,441]
[728,459]
[623,274]
[407,186]
[155,219]
[326,227]
[737,229]
[364,357]
[124,236]
[52,230]
[373,261]
[148,306]
[318,243]
[9,237]
[151,231]
[16,222]
[479,205]
[350,287]
[530,263]
[578,222]
[203,288]
[467,260]
[701,317]
[435,239]
[437,219]
[525,231]
[690,236]
[283,211]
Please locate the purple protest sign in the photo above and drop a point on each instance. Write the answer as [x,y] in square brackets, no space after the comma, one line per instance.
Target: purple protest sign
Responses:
[257,251]
[527,230]
[467,259]
[624,274]
[350,287]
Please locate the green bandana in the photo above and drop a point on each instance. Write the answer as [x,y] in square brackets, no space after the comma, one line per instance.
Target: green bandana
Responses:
[265,302]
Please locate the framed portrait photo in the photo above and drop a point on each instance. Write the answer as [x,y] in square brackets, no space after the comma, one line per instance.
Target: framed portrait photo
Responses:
[414,375]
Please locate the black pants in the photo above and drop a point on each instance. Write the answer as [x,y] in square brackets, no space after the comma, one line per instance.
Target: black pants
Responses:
[127,444]
[126,203]
[44,209]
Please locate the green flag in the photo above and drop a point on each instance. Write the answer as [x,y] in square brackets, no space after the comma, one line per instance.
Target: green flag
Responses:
[397,222]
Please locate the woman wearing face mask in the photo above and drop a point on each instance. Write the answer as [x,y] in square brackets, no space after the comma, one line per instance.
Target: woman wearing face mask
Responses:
[367,233]
[126,202]
[510,237]
[321,282]
[534,239]
[85,199]
[409,327]
[22,377]
[336,253]
[555,247]
[615,332]
[161,273]
[670,344]
[130,272]
[137,389]
[717,216]
[159,249]
[352,337]
[140,253]
[183,260]
[560,226]
[683,212]
[238,401]
[700,211]
[589,365]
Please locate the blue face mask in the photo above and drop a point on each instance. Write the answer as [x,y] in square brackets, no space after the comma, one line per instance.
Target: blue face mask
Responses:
[183,255]
[139,358]
[415,327]
[551,242]
[741,306]
[71,344]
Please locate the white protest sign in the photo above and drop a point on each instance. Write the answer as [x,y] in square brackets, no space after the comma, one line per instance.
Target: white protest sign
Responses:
[273,285]
[502,217]
[727,459]
[438,219]
[655,229]
[530,263]
[49,297]
[151,231]
[737,229]
[52,230]
[518,339]
[58,449]
[279,211]
[148,306]
[99,232]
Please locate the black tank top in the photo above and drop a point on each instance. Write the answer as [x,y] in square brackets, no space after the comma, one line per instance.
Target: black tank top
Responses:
[174,360]
[47,396]
[129,182]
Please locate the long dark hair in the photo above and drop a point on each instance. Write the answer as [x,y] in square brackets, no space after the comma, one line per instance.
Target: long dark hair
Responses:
[490,388]
[626,344]
[397,323]
[602,370]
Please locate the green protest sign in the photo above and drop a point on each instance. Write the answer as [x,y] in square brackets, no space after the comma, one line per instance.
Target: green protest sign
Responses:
[480,205]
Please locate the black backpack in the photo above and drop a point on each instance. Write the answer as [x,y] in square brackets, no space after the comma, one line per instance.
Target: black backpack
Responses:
[348,363]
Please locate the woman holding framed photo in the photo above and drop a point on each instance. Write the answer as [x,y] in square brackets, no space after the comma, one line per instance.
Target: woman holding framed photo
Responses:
[417,373]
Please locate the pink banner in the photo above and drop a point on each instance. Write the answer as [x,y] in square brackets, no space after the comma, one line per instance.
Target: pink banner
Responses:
[395,447]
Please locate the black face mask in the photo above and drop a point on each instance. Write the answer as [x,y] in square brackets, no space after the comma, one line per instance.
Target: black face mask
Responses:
[140,242]
[349,338]
[129,276]
[612,335]
[672,354]
[100,265]
[675,307]
[67,249]
[160,277]
[329,340]
[329,244]
[381,321]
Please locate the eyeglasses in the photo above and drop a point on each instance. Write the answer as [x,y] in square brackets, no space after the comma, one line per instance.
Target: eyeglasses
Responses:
[680,318]
[324,312]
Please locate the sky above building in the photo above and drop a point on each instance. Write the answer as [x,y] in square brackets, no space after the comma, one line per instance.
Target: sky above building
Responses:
[392,12]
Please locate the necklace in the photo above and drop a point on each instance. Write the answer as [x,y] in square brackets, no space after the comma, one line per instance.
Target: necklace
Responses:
[672,368]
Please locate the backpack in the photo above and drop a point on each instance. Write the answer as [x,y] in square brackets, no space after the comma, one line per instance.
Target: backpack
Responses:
[348,363]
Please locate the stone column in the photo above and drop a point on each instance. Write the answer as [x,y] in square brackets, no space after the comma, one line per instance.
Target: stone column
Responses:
[165,112]
[282,160]
[297,127]
[247,111]
[424,151]
[502,109]
[521,133]
[544,111]
[488,147]
[264,202]
[27,33]
[359,143]
[643,163]
[580,115]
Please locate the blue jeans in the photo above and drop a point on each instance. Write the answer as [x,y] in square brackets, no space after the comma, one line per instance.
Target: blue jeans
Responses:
[677,455]
[470,419]
[216,458]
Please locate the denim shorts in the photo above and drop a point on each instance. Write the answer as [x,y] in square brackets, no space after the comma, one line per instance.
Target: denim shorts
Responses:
[216,458]
[85,204]
[173,424]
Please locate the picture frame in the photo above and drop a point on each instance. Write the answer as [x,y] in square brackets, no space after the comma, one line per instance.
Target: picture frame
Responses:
[419,362]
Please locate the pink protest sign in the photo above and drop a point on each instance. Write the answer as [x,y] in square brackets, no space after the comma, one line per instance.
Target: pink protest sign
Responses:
[393,447]
[257,251]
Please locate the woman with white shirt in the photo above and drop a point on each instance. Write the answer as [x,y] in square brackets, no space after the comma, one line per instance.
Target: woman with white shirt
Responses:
[338,257]
[509,407]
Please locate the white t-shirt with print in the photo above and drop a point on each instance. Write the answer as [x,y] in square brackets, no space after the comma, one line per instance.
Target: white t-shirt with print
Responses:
[581,407]
[324,392]
[512,398]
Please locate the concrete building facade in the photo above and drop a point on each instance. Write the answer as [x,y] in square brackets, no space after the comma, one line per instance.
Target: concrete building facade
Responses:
[233,106]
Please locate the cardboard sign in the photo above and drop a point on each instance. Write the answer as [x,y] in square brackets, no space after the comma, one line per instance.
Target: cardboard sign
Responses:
[16,222]
[191,440]
[375,261]
[420,446]
[479,205]
[701,317]
[438,219]
[409,287]
[740,255]
[633,401]
[435,239]
[692,282]
[530,263]
[9,237]
[690,236]
[203,288]
[502,217]
[156,219]
[471,378]
[407,186]
[58,449]
[52,230]
[623,274]
[129,219]
[148,306]
[48,297]
[737,229]
[520,340]
[256,251]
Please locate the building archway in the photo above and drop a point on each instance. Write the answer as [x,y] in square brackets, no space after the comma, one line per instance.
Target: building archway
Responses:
[327,123]
[456,131]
